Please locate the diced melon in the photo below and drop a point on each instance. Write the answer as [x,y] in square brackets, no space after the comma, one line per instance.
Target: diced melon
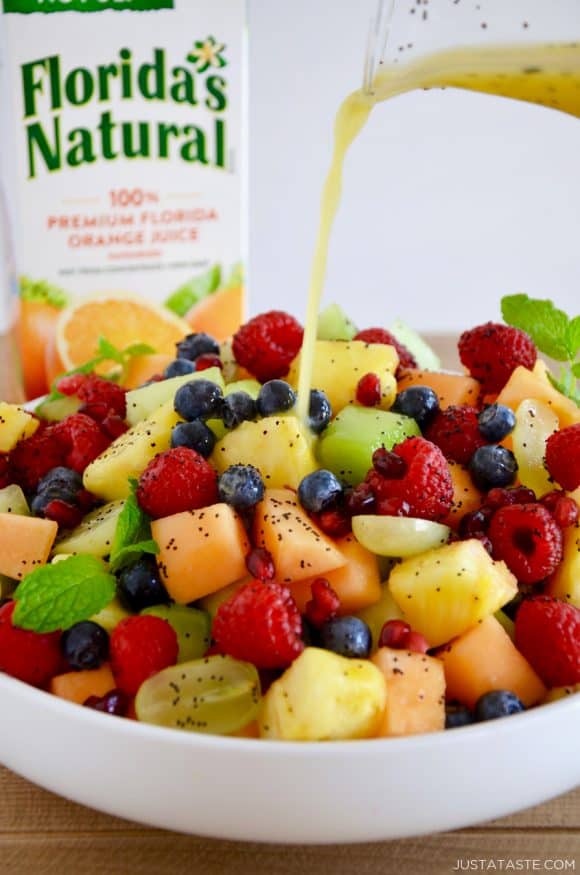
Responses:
[484,659]
[324,696]
[13,500]
[94,534]
[444,592]
[278,446]
[56,409]
[200,551]
[466,496]
[111,615]
[535,384]
[297,546]
[25,543]
[78,686]
[398,536]
[565,582]
[141,403]
[451,389]
[15,425]
[415,692]
[357,583]
[334,324]
[380,613]
[339,365]
[128,456]
[424,355]
[557,693]
[142,367]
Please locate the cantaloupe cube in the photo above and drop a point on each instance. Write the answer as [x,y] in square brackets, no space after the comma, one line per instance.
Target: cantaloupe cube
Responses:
[484,659]
[77,686]
[415,692]
[450,388]
[466,496]
[200,551]
[25,543]
[357,583]
[142,367]
[298,547]
[535,384]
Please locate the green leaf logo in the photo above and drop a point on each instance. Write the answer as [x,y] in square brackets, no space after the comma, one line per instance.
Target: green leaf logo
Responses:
[207,53]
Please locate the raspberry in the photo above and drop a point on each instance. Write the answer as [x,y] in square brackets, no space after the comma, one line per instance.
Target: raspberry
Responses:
[548,635]
[140,647]
[83,439]
[456,432]
[528,540]
[563,456]
[5,473]
[324,604]
[70,385]
[93,390]
[491,353]
[34,457]
[260,623]
[381,335]
[25,655]
[267,344]
[426,486]
[368,390]
[175,481]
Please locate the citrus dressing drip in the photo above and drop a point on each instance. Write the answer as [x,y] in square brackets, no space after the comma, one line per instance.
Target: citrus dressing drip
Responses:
[548,75]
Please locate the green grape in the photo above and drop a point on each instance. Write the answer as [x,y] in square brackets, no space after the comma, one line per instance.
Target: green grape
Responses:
[217,695]
[192,627]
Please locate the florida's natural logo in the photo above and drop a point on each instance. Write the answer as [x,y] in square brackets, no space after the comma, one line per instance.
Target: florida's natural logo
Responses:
[49,88]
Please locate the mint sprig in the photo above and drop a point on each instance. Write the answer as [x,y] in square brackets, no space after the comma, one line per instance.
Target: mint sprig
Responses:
[132,534]
[60,595]
[554,333]
[43,292]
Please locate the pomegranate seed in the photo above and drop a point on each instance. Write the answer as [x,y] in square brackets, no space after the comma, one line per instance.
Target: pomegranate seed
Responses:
[416,642]
[207,360]
[114,426]
[260,564]
[394,634]
[324,604]
[389,464]
[480,536]
[368,390]
[522,495]
[115,702]
[550,499]
[566,512]
[393,507]
[361,500]
[85,500]
[335,523]
[66,515]
[476,523]
[500,497]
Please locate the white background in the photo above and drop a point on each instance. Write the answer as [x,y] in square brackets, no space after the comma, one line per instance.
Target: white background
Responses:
[451,199]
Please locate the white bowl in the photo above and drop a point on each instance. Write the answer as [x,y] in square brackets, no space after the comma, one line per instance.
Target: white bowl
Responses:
[267,791]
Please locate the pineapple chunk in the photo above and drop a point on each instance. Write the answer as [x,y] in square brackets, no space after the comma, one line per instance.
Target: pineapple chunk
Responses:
[15,425]
[535,422]
[142,402]
[377,615]
[565,582]
[94,534]
[324,696]
[128,456]
[445,591]
[338,366]
[277,445]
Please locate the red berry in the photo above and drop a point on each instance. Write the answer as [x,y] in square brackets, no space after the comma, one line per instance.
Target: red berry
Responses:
[324,604]
[563,456]
[389,464]
[66,515]
[334,523]
[260,623]
[491,353]
[34,457]
[399,636]
[114,702]
[175,481]
[140,647]
[381,335]
[426,486]
[456,432]
[114,426]
[361,500]
[368,390]
[393,507]
[207,360]
[417,643]
[70,385]
[548,635]
[501,497]
[96,390]
[84,440]
[260,564]
[267,344]
[562,507]
[476,523]
[5,472]
[528,540]
[25,655]
[97,410]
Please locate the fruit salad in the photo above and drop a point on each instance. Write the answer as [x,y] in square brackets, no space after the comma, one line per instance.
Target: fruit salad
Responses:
[178,547]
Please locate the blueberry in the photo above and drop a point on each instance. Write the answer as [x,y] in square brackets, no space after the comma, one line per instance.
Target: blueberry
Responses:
[496,422]
[194,345]
[200,399]
[241,486]
[85,645]
[275,396]
[59,483]
[140,585]
[348,636]
[319,412]
[457,715]
[237,408]
[492,466]
[178,368]
[319,491]
[195,435]
[497,703]
[418,402]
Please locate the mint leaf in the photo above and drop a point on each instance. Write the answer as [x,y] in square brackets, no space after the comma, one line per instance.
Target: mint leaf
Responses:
[58,596]
[573,336]
[132,533]
[43,292]
[546,325]
[138,349]
[129,554]
[194,290]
